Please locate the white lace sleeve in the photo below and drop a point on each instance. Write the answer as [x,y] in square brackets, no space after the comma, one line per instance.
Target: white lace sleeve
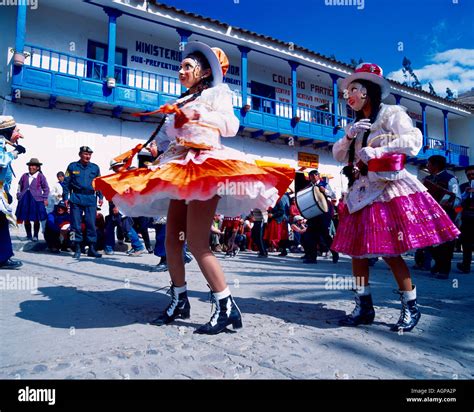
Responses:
[340,150]
[221,111]
[402,136]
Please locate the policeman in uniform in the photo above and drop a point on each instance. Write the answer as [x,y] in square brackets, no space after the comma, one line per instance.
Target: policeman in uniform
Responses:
[82,197]
[9,135]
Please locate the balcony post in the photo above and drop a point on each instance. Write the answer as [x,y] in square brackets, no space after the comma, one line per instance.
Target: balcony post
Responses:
[18,56]
[423,120]
[112,39]
[244,73]
[398,98]
[294,84]
[183,39]
[335,101]
[446,135]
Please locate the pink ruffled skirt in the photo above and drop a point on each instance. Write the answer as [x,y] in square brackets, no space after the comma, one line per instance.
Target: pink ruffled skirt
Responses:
[394,227]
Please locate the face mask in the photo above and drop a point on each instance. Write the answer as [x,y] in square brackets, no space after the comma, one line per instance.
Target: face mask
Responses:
[357,96]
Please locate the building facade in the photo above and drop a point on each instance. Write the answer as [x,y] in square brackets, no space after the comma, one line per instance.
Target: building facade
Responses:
[75,71]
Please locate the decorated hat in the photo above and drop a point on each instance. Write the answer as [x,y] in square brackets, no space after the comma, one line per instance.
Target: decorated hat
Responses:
[85,149]
[215,56]
[34,162]
[7,122]
[370,72]
[298,218]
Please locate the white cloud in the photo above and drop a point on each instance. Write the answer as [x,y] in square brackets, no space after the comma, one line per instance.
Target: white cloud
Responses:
[452,68]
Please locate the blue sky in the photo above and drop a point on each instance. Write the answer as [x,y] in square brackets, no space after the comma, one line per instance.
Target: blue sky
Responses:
[436,35]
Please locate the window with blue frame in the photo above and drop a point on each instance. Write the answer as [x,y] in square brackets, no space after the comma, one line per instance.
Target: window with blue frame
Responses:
[263,97]
[99,51]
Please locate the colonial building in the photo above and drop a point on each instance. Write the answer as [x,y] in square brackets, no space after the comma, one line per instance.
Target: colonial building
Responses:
[75,71]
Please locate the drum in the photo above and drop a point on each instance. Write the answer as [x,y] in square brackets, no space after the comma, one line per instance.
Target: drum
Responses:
[311,202]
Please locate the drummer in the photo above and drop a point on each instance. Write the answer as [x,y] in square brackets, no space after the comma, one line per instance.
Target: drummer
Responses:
[318,227]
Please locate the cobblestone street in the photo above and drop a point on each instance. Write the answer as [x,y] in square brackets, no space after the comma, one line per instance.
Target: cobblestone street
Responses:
[88,319]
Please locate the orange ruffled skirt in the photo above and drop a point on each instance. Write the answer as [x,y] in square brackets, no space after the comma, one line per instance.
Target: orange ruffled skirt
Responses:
[188,174]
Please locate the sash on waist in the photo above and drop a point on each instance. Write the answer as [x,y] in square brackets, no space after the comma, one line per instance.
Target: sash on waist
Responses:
[389,162]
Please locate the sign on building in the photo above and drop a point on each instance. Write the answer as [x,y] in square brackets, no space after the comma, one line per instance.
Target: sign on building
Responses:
[308,160]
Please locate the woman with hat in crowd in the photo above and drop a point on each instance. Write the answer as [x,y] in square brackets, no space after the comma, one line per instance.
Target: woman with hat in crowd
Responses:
[194,176]
[387,210]
[33,192]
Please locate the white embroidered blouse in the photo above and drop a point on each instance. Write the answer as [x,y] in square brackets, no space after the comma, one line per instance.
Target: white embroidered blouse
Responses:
[217,119]
[392,132]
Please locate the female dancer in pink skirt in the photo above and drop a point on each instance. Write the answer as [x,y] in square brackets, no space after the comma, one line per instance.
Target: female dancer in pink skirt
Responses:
[388,211]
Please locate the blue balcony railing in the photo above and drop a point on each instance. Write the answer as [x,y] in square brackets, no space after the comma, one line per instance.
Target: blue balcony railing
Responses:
[455,154]
[64,74]
[142,79]
[60,62]
[435,144]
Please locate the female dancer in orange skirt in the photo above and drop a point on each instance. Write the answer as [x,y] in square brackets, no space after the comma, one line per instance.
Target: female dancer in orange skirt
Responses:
[195,176]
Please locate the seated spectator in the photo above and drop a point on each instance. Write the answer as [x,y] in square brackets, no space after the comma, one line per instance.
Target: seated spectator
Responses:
[215,235]
[125,223]
[57,228]
[298,228]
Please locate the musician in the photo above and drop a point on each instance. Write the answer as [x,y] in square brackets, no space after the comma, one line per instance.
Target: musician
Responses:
[9,135]
[467,220]
[195,175]
[444,188]
[318,226]
[387,210]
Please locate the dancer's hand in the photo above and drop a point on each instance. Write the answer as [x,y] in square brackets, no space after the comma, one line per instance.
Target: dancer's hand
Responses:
[354,129]
[191,114]
[20,149]
[183,116]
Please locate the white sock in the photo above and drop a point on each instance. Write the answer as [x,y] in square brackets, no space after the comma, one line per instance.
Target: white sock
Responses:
[180,289]
[410,294]
[221,295]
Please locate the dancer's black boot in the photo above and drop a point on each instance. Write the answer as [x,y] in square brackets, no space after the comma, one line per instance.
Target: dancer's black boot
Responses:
[179,307]
[410,314]
[226,313]
[363,313]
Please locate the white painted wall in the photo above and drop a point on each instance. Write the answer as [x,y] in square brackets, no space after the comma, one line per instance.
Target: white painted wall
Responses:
[54,137]
[462,132]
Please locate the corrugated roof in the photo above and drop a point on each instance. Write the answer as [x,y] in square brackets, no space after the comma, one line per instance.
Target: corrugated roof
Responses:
[305,50]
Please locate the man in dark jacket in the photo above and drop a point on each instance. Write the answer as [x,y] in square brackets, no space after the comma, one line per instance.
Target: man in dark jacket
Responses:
[78,191]
[444,188]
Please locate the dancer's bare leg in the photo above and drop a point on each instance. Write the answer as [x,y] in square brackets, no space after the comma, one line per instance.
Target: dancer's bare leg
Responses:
[400,271]
[200,215]
[360,270]
[174,242]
